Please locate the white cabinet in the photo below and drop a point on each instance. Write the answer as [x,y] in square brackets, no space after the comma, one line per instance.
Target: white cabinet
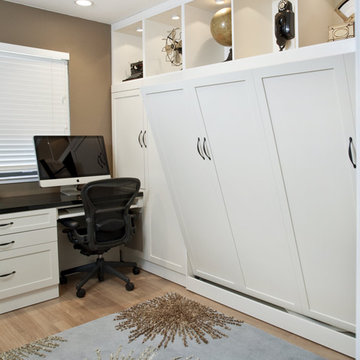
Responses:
[309,107]
[28,258]
[251,185]
[258,165]
[191,175]
[159,239]
[129,135]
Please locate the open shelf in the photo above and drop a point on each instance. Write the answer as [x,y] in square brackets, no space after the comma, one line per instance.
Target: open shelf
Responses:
[252,33]
[314,19]
[127,48]
[157,28]
[201,48]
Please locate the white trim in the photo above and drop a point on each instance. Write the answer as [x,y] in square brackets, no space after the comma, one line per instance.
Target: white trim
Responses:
[357,124]
[30,298]
[31,51]
[299,325]
[152,268]
[162,272]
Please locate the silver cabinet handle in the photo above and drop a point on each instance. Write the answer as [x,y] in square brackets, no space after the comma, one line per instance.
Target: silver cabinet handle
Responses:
[139,138]
[8,243]
[7,224]
[206,150]
[8,274]
[143,139]
[199,148]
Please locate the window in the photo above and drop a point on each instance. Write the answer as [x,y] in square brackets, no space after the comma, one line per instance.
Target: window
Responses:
[34,100]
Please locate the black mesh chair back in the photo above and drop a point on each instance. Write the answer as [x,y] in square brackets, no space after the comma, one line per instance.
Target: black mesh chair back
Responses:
[106,205]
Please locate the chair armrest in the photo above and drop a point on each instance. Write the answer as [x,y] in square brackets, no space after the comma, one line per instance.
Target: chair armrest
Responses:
[69,223]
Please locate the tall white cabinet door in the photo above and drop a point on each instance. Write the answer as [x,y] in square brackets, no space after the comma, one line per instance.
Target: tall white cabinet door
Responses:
[163,241]
[194,186]
[128,135]
[310,111]
[252,188]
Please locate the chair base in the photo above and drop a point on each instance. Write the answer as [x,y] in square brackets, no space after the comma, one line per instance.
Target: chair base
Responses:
[100,267]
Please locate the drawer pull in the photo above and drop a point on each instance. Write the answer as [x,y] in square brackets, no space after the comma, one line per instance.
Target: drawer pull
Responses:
[11,273]
[8,243]
[7,224]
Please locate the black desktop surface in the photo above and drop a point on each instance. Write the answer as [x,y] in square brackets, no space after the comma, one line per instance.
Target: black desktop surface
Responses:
[39,201]
[36,202]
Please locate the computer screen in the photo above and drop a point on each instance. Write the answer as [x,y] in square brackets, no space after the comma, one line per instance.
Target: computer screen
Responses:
[70,160]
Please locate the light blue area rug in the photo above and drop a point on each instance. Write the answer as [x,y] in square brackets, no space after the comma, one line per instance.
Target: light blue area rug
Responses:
[165,328]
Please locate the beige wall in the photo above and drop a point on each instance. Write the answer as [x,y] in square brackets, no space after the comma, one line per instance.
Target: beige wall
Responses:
[89,46]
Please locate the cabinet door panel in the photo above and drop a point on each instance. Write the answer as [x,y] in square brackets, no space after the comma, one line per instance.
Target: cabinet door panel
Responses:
[128,129]
[312,124]
[163,239]
[194,187]
[250,185]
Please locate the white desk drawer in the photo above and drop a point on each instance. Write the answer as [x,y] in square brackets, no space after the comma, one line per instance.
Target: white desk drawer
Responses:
[27,220]
[18,240]
[27,269]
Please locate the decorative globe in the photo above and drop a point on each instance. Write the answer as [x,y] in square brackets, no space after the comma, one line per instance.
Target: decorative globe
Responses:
[220,26]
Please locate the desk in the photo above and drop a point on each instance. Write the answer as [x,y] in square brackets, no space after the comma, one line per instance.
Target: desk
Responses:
[29,264]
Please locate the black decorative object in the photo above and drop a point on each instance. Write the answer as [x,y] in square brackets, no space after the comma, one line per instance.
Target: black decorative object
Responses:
[136,71]
[284,23]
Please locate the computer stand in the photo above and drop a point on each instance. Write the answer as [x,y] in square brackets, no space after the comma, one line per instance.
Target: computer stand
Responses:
[70,190]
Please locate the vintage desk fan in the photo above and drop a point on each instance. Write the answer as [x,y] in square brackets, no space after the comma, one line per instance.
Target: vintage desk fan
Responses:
[173,47]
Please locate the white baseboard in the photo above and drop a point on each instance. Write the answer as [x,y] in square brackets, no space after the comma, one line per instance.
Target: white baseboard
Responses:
[32,297]
[163,272]
[298,325]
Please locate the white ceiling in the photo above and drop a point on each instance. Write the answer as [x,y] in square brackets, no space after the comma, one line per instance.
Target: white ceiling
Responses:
[104,11]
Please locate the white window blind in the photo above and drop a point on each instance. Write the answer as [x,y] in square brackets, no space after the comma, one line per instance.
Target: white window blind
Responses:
[34,100]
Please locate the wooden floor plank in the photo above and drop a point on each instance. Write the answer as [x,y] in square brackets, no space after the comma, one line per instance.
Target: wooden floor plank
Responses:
[25,325]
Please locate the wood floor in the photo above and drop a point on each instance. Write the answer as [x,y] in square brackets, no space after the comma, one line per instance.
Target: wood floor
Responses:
[25,325]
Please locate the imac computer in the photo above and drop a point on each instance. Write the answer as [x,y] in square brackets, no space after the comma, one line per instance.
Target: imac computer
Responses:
[68,161]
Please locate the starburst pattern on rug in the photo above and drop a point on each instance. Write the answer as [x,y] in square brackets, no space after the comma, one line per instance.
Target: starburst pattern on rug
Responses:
[35,348]
[173,315]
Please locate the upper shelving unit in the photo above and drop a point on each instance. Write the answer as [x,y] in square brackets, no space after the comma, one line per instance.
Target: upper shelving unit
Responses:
[147,36]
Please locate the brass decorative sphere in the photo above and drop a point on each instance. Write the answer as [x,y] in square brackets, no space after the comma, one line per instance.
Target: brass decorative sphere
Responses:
[220,26]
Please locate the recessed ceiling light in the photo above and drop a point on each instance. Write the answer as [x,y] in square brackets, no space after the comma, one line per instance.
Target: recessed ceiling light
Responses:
[219,2]
[139,29]
[83,2]
[175,17]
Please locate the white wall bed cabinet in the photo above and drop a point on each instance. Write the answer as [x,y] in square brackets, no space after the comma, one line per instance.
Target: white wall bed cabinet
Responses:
[257,162]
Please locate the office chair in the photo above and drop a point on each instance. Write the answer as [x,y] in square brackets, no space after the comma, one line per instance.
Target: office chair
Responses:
[109,223]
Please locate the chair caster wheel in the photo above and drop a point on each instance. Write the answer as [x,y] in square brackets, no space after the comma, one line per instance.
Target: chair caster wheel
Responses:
[136,270]
[129,286]
[101,277]
[63,279]
[80,293]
